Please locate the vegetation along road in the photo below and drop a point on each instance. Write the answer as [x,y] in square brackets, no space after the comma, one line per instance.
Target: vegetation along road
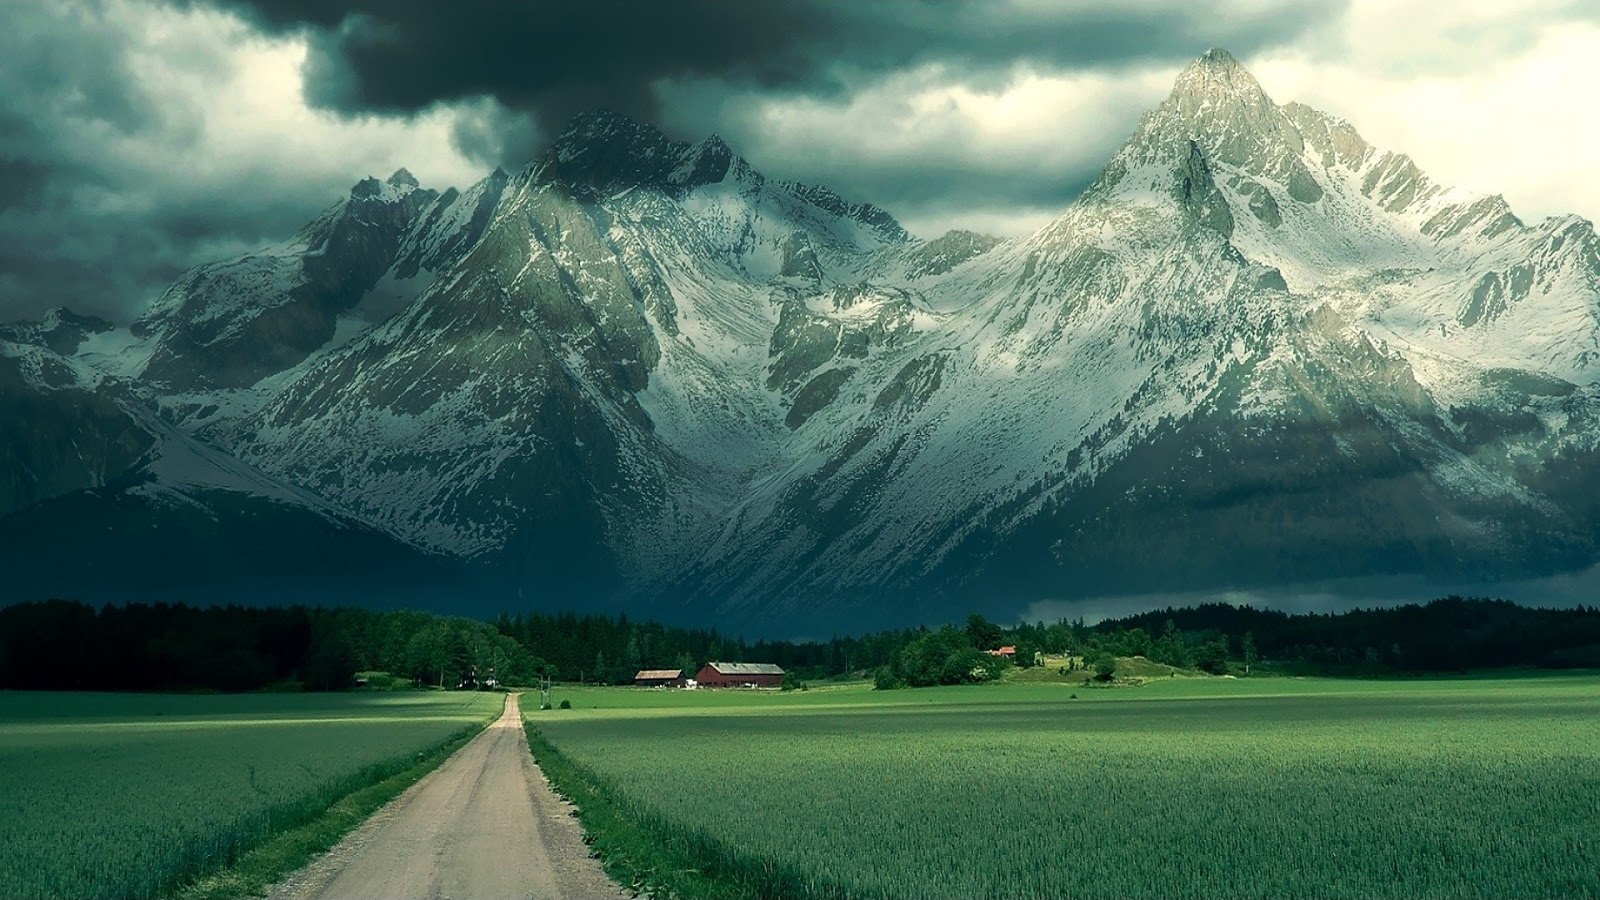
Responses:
[484,824]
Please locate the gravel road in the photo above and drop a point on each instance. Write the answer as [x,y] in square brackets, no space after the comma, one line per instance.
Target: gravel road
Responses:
[484,824]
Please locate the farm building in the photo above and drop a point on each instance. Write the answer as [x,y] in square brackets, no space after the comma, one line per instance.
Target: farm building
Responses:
[1008,651]
[724,674]
[659,678]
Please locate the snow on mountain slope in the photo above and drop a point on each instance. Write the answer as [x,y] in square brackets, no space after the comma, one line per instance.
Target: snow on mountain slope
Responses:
[1236,262]
[588,381]
[1256,350]
[229,324]
[1310,197]
[59,435]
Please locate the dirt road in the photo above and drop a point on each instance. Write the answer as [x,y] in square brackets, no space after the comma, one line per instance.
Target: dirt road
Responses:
[484,824]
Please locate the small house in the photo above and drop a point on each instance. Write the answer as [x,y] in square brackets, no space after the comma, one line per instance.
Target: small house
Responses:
[1009,651]
[726,674]
[659,678]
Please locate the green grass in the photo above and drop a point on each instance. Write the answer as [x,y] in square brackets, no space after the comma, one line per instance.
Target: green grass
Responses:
[1185,787]
[115,795]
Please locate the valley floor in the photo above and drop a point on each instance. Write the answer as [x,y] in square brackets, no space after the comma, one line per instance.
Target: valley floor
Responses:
[1192,787]
[144,795]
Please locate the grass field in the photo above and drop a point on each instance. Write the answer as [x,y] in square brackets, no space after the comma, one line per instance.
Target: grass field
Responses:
[1184,788]
[123,795]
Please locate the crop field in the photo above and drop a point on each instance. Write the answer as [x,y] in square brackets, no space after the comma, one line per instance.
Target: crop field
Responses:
[117,795]
[1194,788]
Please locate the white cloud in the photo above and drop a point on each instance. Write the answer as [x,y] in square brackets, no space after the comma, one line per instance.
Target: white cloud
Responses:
[1490,96]
[174,137]
[937,151]
[244,95]
[199,137]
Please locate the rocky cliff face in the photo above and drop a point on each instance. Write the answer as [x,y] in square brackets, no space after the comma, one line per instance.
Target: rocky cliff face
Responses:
[1256,351]
[229,324]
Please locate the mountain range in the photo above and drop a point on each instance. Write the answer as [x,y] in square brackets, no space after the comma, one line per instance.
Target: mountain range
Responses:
[638,374]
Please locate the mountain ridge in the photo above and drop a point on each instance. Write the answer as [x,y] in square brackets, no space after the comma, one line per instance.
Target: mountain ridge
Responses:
[1257,350]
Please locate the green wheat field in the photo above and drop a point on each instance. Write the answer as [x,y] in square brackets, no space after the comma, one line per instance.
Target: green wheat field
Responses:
[125,795]
[1189,788]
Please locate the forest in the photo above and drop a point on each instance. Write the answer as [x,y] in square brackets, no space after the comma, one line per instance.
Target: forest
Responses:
[66,645]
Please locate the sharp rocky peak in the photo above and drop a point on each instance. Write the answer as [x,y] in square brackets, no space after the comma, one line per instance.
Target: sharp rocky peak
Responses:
[1218,76]
[1216,96]
[399,186]
[606,151]
[600,128]
[1219,109]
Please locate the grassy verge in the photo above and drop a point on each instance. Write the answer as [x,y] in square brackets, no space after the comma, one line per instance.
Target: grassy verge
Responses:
[254,870]
[659,860]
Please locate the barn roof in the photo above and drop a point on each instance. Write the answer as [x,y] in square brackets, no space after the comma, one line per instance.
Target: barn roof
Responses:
[658,673]
[727,668]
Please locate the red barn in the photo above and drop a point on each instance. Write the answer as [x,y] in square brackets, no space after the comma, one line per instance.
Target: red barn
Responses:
[659,678]
[724,674]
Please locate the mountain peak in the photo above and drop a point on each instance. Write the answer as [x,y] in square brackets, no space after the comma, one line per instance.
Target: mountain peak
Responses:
[606,127]
[403,178]
[1219,106]
[607,151]
[1217,58]
[1218,77]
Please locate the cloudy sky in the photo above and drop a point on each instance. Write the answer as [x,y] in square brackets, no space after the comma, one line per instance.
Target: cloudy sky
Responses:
[138,137]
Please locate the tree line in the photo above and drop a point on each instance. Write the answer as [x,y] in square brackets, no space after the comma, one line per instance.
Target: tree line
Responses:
[1452,634]
[67,645]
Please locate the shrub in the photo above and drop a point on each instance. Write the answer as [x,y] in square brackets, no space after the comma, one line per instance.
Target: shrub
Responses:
[1105,666]
[566,704]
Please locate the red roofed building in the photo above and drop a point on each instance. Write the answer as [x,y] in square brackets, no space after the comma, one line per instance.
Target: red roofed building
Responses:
[722,674]
[1008,650]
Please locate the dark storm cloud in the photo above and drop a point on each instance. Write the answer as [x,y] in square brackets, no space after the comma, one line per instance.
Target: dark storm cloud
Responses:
[552,59]
[103,199]
[100,203]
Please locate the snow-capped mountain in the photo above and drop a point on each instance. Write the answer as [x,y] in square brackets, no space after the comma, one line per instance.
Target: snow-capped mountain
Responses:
[1256,351]
[231,323]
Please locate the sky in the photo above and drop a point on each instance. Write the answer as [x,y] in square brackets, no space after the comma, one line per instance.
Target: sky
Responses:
[140,137]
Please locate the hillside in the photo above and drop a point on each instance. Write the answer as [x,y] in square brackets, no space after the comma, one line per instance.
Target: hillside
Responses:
[639,374]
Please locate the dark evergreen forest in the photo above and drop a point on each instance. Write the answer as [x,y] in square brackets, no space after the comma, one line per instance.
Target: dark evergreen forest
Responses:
[65,645]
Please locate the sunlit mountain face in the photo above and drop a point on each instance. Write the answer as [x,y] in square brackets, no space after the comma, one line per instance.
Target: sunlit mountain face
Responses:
[639,374]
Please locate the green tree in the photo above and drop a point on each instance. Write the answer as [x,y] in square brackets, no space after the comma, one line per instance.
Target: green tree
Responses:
[884,679]
[427,653]
[1105,666]
[1027,655]
[633,653]
[983,634]
[330,664]
[1136,642]
[685,661]
[1171,649]
[1213,656]
[943,657]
